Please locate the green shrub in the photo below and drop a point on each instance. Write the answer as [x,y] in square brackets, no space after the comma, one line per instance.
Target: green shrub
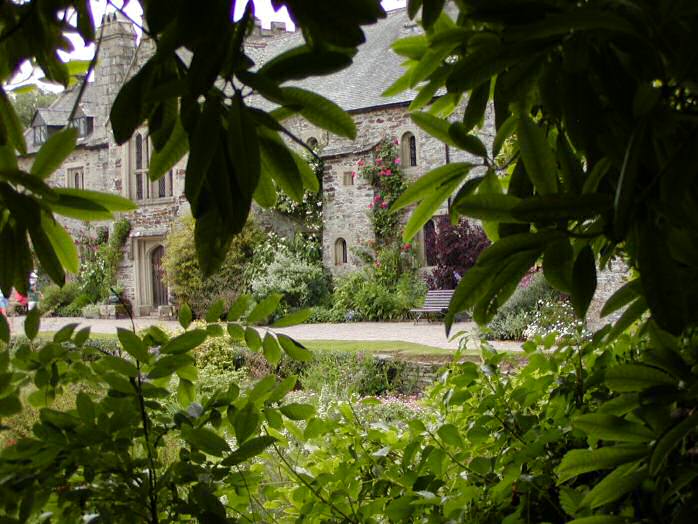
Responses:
[183,275]
[74,309]
[301,283]
[367,295]
[55,297]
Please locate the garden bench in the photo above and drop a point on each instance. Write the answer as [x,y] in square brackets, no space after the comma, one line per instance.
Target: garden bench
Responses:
[436,302]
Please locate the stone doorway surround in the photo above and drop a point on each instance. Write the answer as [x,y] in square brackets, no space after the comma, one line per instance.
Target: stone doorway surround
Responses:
[143,249]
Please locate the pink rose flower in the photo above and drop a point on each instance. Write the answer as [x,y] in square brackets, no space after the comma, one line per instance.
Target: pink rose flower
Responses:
[361,162]
[388,172]
[384,205]
[397,161]
[370,206]
[379,160]
[407,246]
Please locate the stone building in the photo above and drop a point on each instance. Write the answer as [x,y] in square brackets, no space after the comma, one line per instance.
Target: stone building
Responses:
[98,163]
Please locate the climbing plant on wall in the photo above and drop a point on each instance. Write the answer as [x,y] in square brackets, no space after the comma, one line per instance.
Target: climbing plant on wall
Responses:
[384,174]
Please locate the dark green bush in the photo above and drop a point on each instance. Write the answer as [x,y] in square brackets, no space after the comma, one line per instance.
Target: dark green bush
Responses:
[74,309]
[55,297]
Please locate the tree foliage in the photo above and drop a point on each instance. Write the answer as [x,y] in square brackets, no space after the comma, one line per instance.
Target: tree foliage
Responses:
[601,97]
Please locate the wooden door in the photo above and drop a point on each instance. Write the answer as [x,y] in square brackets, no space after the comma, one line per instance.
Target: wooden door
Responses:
[159,287]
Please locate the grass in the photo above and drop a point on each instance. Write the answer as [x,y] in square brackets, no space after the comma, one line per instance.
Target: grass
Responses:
[375,346]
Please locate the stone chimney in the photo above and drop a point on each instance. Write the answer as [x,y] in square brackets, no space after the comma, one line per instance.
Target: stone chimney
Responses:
[115,55]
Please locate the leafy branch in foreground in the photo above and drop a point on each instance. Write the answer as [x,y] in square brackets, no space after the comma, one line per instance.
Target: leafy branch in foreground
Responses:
[111,454]
[600,99]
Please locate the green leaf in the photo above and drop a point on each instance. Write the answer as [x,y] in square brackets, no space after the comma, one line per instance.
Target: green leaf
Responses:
[490,206]
[64,334]
[294,349]
[9,406]
[670,440]
[31,323]
[205,440]
[436,127]
[462,140]
[450,435]
[583,281]
[610,427]
[252,339]
[271,349]
[412,47]
[599,519]
[279,165]
[4,330]
[54,152]
[239,307]
[129,109]
[320,111]
[557,264]
[236,331]
[292,319]
[117,364]
[296,411]
[133,345]
[429,206]
[504,132]
[620,481]
[174,150]
[82,336]
[304,61]
[244,146]
[636,377]
[62,243]
[622,297]
[579,461]
[215,311]
[431,182]
[477,104]
[12,125]
[265,308]
[249,449]
[186,392]
[85,407]
[168,364]
[79,203]
[185,342]
[549,208]
[185,316]
[245,423]
[537,156]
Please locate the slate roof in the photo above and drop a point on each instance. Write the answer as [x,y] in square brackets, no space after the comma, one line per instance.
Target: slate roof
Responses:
[375,66]
[58,112]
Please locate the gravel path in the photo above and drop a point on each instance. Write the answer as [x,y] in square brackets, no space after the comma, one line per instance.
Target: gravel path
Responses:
[430,334]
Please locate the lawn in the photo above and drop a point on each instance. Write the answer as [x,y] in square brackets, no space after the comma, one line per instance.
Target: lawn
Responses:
[376,346]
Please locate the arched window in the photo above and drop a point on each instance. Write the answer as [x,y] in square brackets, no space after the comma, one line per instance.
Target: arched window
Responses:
[430,243]
[312,143]
[340,252]
[408,149]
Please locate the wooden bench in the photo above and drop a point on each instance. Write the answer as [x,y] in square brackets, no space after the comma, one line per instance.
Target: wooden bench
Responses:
[435,303]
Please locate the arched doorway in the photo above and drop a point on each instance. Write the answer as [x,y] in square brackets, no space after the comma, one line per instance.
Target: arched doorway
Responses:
[159,287]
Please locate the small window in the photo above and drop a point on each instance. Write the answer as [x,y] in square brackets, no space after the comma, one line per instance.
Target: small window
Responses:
[83,124]
[340,252]
[348,178]
[76,177]
[408,149]
[40,135]
[312,143]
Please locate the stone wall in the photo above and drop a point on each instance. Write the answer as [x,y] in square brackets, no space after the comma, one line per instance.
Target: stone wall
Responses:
[609,280]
